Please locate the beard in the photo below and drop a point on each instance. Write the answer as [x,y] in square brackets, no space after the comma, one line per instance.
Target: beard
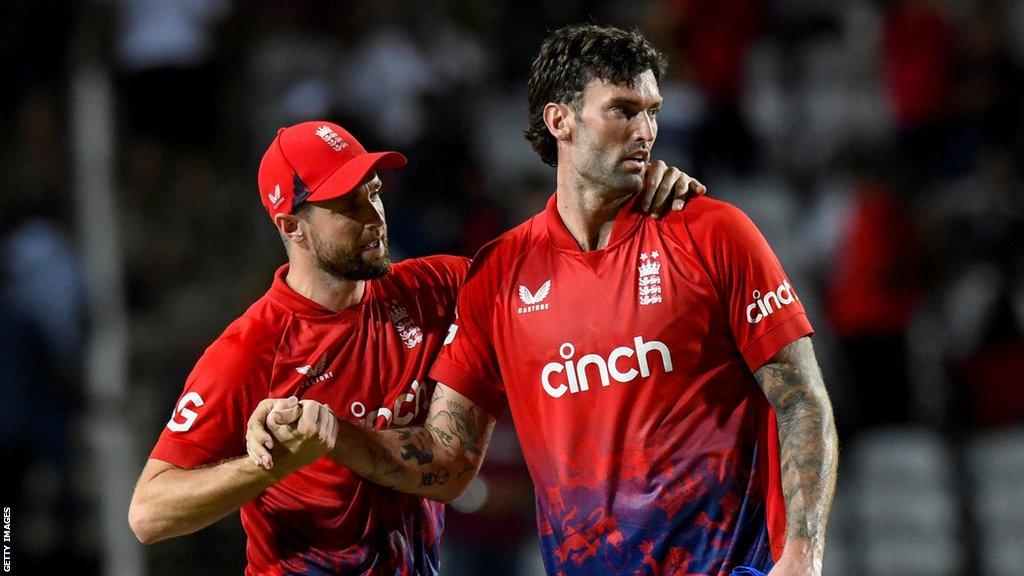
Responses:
[615,178]
[348,263]
[608,173]
[606,169]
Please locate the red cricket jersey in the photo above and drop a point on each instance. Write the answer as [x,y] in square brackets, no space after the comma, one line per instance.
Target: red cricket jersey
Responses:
[628,373]
[369,363]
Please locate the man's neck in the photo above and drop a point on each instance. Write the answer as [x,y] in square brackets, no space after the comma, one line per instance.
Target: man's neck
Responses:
[325,289]
[587,210]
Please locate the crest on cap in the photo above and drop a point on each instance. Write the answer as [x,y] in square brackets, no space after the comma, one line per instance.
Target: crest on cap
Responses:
[331,137]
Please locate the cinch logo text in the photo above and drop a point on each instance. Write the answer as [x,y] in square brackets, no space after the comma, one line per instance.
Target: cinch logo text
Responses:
[762,307]
[401,413]
[622,365]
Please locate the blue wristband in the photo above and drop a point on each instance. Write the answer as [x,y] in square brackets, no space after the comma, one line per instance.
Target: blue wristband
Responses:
[745,571]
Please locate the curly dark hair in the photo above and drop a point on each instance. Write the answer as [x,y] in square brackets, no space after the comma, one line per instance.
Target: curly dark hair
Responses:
[569,58]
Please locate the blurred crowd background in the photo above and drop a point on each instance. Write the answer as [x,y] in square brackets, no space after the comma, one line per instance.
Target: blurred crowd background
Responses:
[877,144]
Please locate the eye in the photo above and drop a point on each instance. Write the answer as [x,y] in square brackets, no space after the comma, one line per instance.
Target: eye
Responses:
[654,112]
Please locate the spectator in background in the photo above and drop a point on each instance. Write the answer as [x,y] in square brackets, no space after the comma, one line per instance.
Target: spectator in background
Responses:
[171,83]
[918,58]
[170,79]
[989,376]
[41,294]
[873,289]
[714,38]
[988,89]
[42,322]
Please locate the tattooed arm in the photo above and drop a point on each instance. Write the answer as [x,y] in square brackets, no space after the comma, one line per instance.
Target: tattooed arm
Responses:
[437,460]
[808,453]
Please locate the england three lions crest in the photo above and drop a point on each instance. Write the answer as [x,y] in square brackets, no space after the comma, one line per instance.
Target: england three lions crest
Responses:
[649,281]
[408,331]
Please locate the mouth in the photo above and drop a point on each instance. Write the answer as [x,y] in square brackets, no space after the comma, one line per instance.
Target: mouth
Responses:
[375,246]
[637,160]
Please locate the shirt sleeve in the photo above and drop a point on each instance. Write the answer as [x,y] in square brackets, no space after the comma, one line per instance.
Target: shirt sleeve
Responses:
[763,309]
[208,421]
[467,362]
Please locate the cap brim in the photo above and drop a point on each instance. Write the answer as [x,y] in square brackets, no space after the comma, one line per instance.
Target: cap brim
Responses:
[349,176]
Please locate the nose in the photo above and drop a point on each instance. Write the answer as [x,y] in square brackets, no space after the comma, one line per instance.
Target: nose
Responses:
[375,216]
[646,129]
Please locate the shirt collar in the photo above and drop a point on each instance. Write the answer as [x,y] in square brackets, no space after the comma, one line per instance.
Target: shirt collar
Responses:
[300,304]
[626,222]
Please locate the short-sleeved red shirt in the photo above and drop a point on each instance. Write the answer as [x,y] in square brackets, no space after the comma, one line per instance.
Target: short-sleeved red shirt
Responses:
[369,363]
[628,373]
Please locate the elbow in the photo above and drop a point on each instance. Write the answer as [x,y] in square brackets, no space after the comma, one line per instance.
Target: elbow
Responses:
[449,494]
[450,491]
[143,524]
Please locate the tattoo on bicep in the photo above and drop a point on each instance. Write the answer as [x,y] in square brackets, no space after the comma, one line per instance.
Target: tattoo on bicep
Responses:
[457,427]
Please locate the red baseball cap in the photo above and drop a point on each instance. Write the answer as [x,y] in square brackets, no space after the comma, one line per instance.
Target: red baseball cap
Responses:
[313,161]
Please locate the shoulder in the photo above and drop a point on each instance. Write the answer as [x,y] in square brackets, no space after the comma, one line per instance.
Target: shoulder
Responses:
[432,267]
[441,271]
[703,214]
[499,253]
[709,222]
[494,262]
[247,343]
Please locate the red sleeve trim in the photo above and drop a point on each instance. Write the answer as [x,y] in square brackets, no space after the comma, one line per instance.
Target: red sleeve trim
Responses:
[768,344]
[466,383]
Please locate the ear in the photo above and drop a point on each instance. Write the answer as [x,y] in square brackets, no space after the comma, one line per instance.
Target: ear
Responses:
[560,120]
[290,226]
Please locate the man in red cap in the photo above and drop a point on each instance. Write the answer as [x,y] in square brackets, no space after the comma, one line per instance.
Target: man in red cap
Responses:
[342,326]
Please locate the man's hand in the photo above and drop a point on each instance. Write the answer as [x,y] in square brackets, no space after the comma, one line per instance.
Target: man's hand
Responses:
[293,432]
[666,186]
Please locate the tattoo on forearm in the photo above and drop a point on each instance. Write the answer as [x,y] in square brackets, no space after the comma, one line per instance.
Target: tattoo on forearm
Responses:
[808,448]
[382,467]
[432,478]
[469,467]
[422,456]
[408,458]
